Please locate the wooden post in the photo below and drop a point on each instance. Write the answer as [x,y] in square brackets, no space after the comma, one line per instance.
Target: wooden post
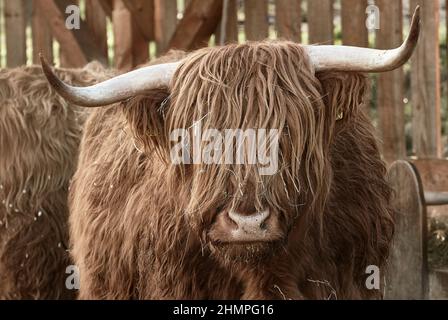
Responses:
[390,84]
[15,31]
[425,84]
[96,20]
[42,38]
[256,19]
[140,46]
[107,6]
[354,30]
[123,35]
[231,27]
[1,32]
[197,25]
[407,273]
[143,15]
[165,22]
[320,22]
[78,46]
[288,19]
[434,175]
[64,60]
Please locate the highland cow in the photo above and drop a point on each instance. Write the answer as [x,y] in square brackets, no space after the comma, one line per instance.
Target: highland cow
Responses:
[145,228]
[39,138]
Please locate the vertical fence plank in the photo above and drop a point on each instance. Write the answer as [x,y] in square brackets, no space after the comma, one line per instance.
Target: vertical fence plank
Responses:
[407,274]
[256,19]
[122,27]
[143,16]
[165,20]
[320,21]
[425,84]
[1,32]
[354,30]
[390,84]
[64,60]
[288,19]
[140,46]
[15,25]
[199,21]
[77,45]
[230,30]
[96,20]
[42,38]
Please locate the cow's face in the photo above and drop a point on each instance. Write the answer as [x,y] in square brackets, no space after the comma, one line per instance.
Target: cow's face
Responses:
[268,94]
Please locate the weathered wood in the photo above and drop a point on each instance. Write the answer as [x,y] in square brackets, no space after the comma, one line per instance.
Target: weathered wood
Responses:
[256,23]
[64,61]
[78,46]
[288,19]
[230,32]
[1,32]
[107,6]
[140,46]
[390,84]
[42,38]
[354,30]
[143,15]
[97,22]
[425,84]
[438,284]
[123,35]
[200,20]
[320,22]
[165,22]
[436,198]
[15,31]
[434,175]
[407,273]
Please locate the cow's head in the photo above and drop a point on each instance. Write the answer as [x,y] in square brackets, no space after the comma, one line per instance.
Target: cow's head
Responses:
[299,91]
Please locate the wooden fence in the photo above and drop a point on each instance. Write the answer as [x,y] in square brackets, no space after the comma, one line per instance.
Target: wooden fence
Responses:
[420,190]
[126,33]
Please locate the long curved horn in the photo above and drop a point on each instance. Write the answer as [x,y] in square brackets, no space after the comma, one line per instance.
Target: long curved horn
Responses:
[113,90]
[346,58]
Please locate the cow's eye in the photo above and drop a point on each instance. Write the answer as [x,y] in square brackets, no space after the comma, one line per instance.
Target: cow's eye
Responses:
[220,208]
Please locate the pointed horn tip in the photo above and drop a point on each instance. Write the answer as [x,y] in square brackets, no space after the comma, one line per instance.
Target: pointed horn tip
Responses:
[49,74]
[417,13]
[414,32]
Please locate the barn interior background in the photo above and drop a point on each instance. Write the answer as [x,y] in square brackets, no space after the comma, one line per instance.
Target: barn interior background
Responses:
[409,106]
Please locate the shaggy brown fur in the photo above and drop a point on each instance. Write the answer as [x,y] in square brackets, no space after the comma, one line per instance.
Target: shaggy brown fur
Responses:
[39,139]
[140,225]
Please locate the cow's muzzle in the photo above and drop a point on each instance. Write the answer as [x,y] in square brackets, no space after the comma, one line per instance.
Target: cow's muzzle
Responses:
[237,227]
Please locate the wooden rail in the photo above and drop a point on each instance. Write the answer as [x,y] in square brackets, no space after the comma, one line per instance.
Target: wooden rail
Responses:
[436,198]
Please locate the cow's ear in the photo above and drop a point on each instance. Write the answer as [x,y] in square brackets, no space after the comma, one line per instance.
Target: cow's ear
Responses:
[145,117]
[343,93]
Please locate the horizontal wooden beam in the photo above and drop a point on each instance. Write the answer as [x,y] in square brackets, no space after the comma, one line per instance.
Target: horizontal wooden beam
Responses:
[436,198]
